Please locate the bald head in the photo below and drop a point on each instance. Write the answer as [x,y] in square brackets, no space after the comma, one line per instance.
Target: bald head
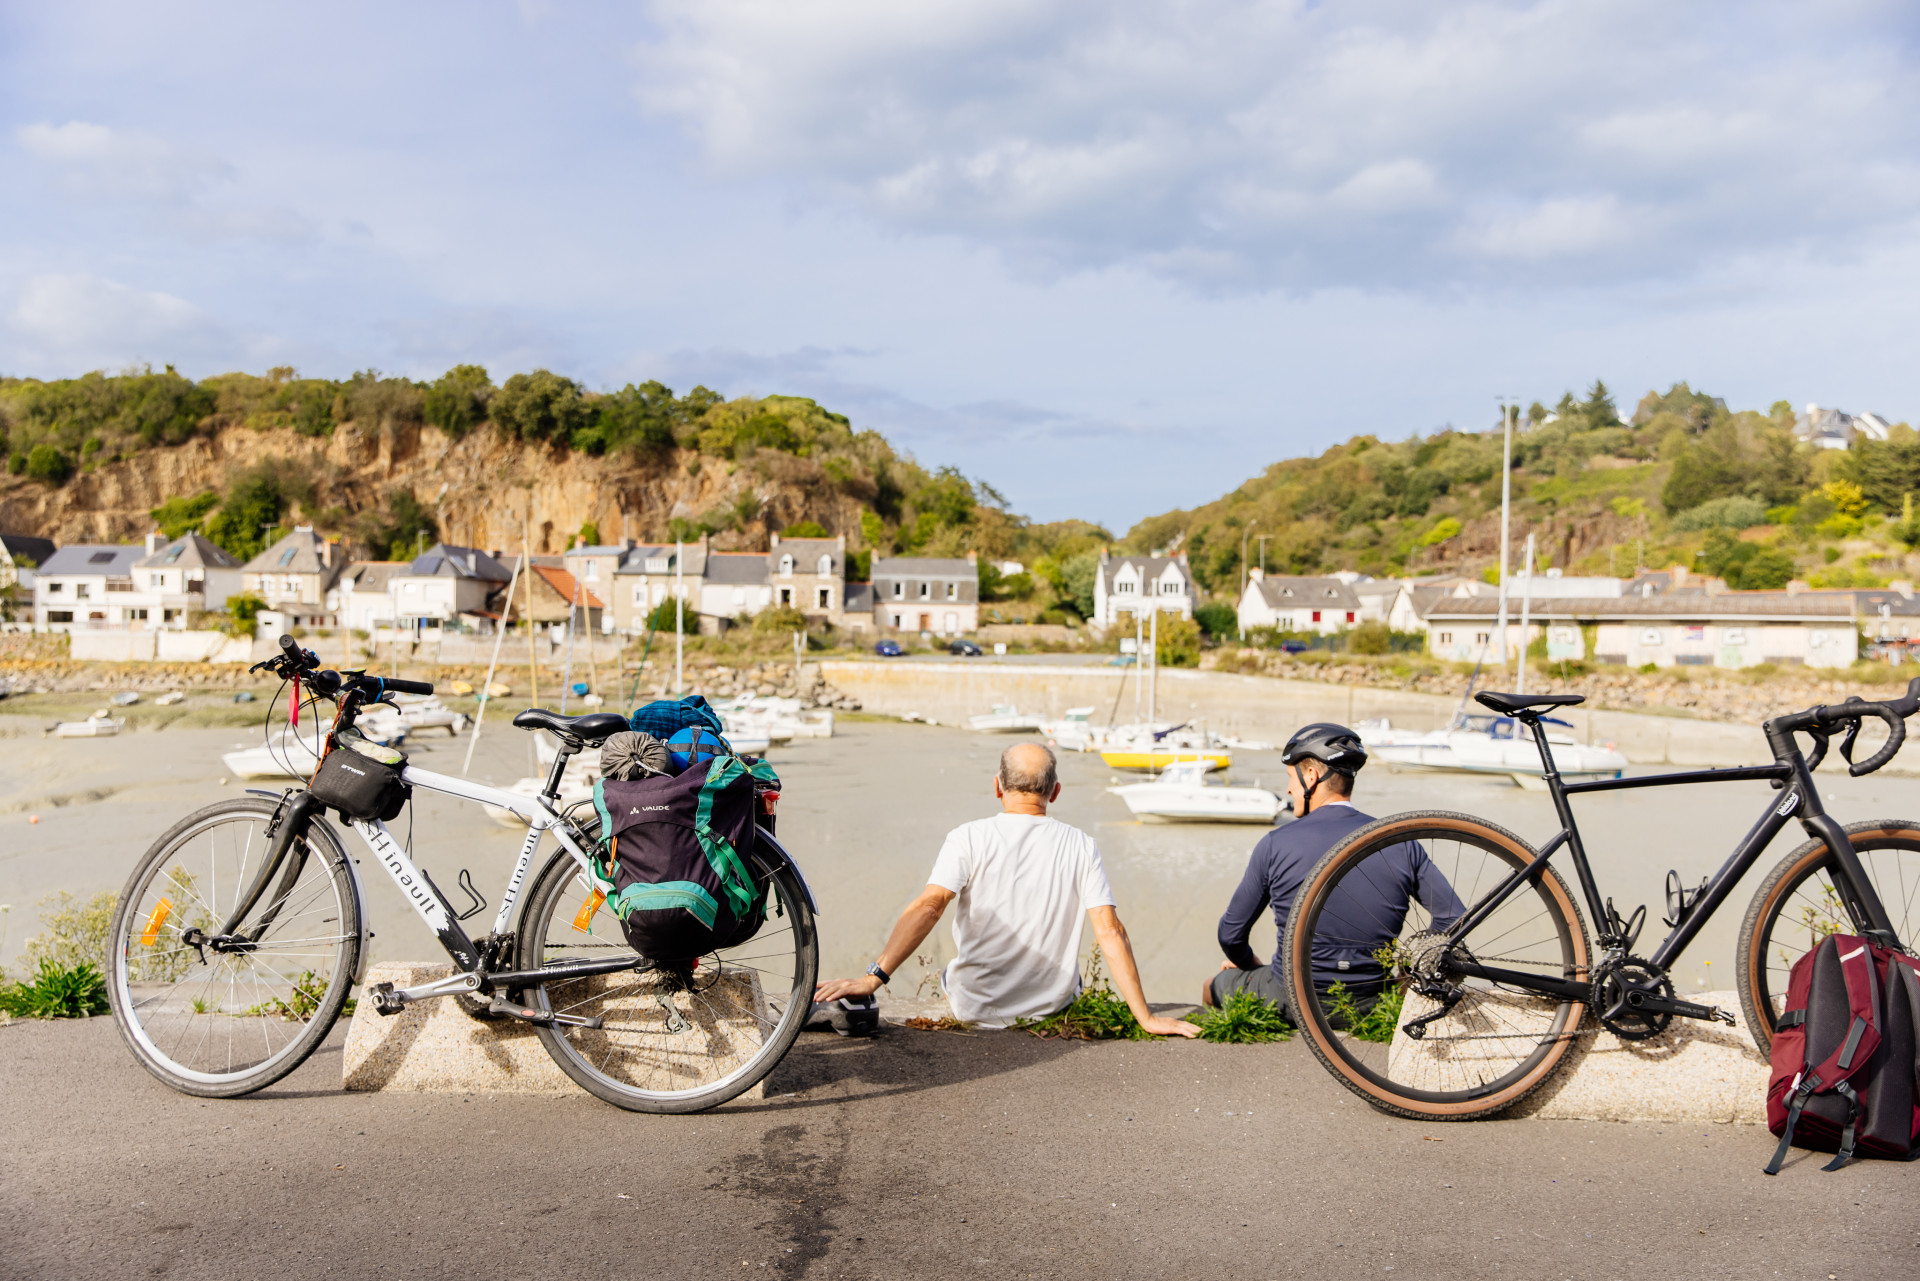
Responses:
[1028,768]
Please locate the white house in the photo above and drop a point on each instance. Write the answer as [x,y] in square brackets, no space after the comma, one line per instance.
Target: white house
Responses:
[91,585]
[185,576]
[293,577]
[1833,429]
[1297,604]
[447,586]
[362,599]
[1686,629]
[1133,584]
[648,574]
[21,552]
[735,585]
[931,595]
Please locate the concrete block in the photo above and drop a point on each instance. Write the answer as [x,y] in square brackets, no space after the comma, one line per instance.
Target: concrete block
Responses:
[1692,1073]
[435,1046]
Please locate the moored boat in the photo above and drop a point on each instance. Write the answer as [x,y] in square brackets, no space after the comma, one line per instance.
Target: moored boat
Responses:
[1183,794]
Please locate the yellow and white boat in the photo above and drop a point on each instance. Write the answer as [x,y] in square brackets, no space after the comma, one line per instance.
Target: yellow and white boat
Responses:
[1154,758]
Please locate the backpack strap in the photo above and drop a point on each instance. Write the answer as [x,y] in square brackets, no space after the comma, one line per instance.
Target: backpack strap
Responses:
[1845,1154]
[1863,1002]
[721,856]
[1805,1085]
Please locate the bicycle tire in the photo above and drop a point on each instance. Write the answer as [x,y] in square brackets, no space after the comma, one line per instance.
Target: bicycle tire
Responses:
[151,1004]
[1802,882]
[1566,949]
[642,1050]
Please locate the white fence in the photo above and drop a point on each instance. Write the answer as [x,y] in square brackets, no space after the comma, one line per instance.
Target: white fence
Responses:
[163,647]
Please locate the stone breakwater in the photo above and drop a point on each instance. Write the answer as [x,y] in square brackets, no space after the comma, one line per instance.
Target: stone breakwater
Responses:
[1708,695]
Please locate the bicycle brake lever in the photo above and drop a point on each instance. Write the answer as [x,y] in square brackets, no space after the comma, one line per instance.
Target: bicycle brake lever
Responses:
[1846,744]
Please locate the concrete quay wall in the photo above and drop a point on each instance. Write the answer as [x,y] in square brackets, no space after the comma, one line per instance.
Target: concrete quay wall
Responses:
[1258,706]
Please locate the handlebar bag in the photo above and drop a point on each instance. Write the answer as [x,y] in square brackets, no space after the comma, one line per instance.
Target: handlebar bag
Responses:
[361,780]
[675,850]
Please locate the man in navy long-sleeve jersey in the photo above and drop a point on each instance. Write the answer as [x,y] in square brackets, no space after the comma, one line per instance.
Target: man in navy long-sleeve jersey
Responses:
[1321,761]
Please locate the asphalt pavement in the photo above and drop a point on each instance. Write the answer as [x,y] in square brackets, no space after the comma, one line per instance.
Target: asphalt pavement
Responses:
[915,1154]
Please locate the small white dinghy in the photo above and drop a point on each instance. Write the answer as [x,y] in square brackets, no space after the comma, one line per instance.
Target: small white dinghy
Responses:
[1005,718]
[426,711]
[1182,794]
[288,754]
[98,725]
[1074,731]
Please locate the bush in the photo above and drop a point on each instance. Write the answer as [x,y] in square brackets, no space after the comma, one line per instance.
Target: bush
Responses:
[1097,1014]
[48,465]
[57,992]
[660,618]
[1370,637]
[1179,642]
[17,463]
[244,611]
[777,620]
[805,529]
[75,933]
[1244,1018]
[1737,512]
[1444,529]
[1377,1024]
[1217,619]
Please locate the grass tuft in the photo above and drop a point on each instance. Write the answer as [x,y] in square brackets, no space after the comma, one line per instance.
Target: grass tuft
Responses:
[1376,1024]
[57,992]
[1097,1014]
[1244,1018]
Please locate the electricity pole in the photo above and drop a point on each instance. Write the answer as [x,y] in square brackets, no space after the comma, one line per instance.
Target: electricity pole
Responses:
[1251,525]
[1506,507]
[679,618]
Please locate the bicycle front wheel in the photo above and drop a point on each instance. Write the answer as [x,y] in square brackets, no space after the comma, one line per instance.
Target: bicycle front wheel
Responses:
[665,1047]
[1799,904]
[226,1023]
[1366,935]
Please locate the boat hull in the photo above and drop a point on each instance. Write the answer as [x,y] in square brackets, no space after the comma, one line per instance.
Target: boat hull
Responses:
[1141,759]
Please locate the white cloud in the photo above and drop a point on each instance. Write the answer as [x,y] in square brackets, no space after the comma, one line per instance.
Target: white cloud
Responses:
[1248,144]
[189,192]
[85,322]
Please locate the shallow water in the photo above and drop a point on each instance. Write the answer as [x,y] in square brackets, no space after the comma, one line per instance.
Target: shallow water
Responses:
[865,813]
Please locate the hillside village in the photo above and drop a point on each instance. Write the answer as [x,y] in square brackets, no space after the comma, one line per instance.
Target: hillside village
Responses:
[1686,535]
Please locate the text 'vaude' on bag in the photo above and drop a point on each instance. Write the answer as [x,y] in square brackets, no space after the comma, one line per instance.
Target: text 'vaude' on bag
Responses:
[676,850]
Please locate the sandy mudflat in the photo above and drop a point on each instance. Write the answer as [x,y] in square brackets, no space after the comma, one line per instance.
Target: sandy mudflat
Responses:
[865,812]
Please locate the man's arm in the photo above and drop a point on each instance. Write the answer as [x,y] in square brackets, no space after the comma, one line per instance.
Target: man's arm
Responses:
[1118,950]
[1243,909]
[909,932]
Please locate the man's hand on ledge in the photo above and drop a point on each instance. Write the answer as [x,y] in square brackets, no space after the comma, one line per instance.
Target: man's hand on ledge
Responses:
[834,989]
[1161,1026]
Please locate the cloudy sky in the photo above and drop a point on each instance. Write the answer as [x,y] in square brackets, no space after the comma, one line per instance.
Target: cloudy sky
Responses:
[1113,257]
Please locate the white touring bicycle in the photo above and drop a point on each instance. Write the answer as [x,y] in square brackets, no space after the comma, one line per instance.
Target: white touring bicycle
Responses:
[243,930]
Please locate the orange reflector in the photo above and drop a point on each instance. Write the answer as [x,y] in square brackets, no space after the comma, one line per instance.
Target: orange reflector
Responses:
[161,911]
[583,919]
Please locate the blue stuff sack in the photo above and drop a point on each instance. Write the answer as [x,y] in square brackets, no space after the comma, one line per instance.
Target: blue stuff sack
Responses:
[695,744]
[667,717]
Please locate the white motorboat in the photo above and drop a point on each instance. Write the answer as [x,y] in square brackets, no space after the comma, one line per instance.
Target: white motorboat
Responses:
[1074,731]
[1005,718]
[576,783]
[169,698]
[289,753]
[1475,744]
[774,720]
[98,725]
[426,711]
[1238,744]
[1182,793]
[126,698]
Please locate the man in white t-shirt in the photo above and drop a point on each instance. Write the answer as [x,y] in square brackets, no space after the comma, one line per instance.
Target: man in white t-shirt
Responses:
[1023,881]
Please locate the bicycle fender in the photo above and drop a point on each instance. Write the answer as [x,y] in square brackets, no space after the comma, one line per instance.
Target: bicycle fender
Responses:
[769,843]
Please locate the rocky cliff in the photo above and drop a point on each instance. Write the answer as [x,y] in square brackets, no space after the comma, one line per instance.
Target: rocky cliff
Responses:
[484,489]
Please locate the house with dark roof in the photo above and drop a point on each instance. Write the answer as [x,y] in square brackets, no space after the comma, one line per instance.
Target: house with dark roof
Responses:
[1295,603]
[18,552]
[293,577]
[91,586]
[810,575]
[734,586]
[362,597]
[1131,585]
[931,595]
[447,587]
[1677,628]
[649,573]
[186,576]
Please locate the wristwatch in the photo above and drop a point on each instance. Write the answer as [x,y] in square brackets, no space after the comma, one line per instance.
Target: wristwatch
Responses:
[884,977]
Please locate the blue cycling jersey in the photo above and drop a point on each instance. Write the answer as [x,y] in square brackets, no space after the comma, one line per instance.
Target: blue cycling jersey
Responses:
[1366,912]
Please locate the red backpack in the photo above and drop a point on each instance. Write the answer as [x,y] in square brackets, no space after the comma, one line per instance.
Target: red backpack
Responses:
[1844,1055]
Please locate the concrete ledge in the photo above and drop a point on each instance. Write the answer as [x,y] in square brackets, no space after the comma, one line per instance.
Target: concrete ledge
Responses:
[1692,1073]
[435,1047]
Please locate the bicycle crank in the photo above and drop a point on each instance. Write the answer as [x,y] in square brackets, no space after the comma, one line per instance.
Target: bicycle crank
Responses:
[1633,999]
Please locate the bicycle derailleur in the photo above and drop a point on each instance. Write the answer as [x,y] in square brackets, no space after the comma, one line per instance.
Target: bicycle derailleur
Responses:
[1424,957]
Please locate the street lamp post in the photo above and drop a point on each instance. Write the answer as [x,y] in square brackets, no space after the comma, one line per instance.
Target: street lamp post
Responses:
[1506,506]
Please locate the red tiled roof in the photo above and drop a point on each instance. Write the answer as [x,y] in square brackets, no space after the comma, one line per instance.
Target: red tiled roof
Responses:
[562,582]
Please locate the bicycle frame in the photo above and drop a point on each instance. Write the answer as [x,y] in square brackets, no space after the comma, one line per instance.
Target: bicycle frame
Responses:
[1789,771]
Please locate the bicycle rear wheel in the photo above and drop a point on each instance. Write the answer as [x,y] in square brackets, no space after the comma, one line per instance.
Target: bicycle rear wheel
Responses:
[1799,904]
[1367,925]
[223,1024]
[662,1049]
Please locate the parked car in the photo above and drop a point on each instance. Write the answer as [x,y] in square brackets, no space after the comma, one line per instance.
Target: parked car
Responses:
[888,649]
[964,648]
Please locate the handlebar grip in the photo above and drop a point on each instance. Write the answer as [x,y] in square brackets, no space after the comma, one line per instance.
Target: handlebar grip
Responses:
[1896,735]
[405,687]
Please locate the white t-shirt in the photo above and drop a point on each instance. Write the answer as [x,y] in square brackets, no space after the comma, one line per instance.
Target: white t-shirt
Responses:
[1025,884]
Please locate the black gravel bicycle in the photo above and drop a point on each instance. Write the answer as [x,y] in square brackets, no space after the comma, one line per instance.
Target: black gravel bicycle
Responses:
[243,930]
[1470,1002]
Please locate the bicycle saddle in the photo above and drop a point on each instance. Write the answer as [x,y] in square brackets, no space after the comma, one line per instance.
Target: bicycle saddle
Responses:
[591,728]
[1508,704]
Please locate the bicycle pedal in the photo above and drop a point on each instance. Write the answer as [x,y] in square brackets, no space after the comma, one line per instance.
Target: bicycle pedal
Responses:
[385,999]
[543,1018]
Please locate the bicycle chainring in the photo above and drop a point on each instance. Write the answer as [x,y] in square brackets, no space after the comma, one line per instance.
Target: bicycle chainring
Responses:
[1615,981]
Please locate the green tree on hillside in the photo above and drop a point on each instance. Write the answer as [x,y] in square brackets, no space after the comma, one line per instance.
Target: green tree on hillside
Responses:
[540,406]
[178,516]
[456,402]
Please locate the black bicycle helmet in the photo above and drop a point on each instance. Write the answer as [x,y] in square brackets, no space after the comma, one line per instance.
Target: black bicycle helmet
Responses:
[1335,746]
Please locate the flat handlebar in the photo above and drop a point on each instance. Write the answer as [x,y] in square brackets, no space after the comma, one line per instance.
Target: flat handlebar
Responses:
[294,661]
